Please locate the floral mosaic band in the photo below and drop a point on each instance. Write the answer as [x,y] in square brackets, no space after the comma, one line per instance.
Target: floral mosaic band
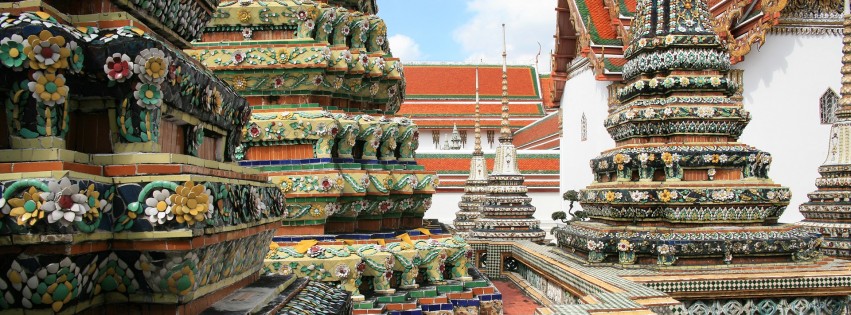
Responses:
[144,76]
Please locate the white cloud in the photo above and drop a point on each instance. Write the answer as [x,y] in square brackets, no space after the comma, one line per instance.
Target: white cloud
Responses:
[405,48]
[527,23]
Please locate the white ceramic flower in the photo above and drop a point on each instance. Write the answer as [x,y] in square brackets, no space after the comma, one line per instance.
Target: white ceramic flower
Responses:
[158,209]
[342,271]
[64,203]
[238,57]
[331,208]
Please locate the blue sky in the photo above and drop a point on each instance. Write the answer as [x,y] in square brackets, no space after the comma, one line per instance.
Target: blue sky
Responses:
[469,30]
[416,19]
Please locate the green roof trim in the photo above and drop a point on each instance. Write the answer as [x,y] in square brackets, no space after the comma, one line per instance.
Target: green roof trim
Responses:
[623,9]
[592,29]
[612,67]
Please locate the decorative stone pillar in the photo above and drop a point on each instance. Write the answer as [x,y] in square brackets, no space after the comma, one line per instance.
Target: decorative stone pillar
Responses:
[684,191]
[828,211]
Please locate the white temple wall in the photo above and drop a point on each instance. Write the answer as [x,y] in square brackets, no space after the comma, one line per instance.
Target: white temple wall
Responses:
[783,82]
[427,143]
[582,95]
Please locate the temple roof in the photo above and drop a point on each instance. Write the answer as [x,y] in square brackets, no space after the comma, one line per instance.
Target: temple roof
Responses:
[438,96]
[544,134]
[541,168]
[458,82]
[466,109]
[598,30]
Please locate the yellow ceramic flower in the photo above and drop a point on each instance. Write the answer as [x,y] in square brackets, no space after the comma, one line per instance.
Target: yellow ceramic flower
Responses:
[152,65]
[610,196]
[244,16]
[286,184]
[665,195]
[667,157]
[619,158]
[47,52]
[190,203]
[27,210]
[240,83]
[48,88]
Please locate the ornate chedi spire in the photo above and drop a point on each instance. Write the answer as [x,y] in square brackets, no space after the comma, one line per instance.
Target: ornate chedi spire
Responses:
[476,186]
[678,187]
[455,142]
[477,148]
[506,210]
[829,211]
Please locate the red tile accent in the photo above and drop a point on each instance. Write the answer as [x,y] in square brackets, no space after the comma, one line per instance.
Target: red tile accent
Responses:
[514,301]
[119,170]
[83,168]
[301,230]
[36,166]
[158,169]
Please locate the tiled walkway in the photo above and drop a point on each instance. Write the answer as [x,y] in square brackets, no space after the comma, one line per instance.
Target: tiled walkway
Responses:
[514,301]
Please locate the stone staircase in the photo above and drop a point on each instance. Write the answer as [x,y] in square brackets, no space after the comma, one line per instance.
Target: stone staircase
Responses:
[453,297]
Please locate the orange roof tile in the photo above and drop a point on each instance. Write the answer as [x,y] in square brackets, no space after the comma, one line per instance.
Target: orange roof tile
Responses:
[600,18]
[630,5]
[544,128]
[468,122]
[461,164]
[547,91]
[459,82]
[442,109]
